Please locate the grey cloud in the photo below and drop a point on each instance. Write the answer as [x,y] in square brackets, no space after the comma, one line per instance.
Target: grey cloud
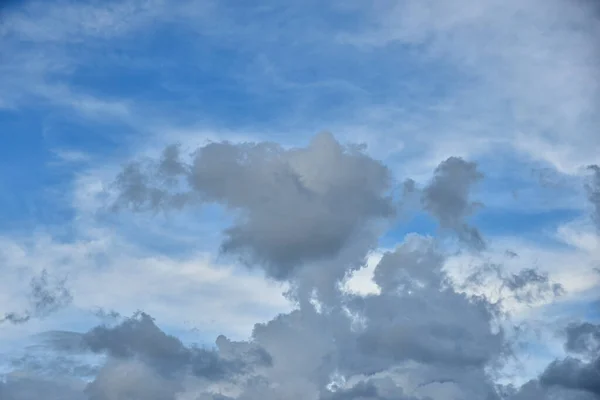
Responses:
[32,388]
[421,338]
[145,363]
[569,378]
[293,206]
[583,338]
[535,390]
[446,198]
[420,317]
[593,192]
[529,285]
[418,322]
[368,390]
[15,318]
[46,297]
[139,338]
[525,286]
[130,379]
[572,373]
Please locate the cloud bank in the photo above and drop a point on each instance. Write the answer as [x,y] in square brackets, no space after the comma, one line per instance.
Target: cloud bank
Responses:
[300,212]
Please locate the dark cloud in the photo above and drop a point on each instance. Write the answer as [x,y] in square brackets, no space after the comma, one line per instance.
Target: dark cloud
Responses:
[420,317]
[583,338]
[446,198]
[293,206]
[307,215]
[46,297]
[570,378]
[145,363]
[139,338]
[593,191]
[572,373]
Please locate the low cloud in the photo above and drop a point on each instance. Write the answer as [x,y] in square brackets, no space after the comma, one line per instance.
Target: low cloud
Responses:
[292,206]
[301,216]
[446,198]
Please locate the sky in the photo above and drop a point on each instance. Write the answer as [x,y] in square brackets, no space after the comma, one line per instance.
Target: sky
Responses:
[300,200]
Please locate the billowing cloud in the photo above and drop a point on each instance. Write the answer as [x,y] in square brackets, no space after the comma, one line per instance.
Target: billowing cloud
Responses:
[293,206]
[446,198]
[583,338]
[422,336]
[571,378]
[499,85]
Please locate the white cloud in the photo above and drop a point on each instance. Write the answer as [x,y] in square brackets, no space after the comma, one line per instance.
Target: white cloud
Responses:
[105,273]
[536,62]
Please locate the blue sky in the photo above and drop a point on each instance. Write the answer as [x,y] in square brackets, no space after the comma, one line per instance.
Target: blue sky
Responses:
[88,86]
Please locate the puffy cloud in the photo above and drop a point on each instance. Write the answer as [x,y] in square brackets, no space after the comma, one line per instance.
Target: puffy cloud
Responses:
[583,338]
[306,215]
[446,197]
[569,378]
[293,206]
[574,374]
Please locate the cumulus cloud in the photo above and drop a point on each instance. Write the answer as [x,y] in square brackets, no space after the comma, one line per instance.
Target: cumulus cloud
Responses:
[583,338]
[292,206]
[311,216]
[422,336]
[446,197]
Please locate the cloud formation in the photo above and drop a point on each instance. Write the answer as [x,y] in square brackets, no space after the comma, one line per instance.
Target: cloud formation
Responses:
[446,197]
[422,337]
[511,78]
[292,206]
[47,296]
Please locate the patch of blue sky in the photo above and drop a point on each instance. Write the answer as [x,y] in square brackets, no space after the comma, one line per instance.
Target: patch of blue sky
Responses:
[535,226]
[210,78]
[526,224]
[29,190]
[42,153]
[511,180]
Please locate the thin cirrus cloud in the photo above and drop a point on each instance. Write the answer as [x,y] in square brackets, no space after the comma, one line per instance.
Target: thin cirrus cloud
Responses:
[424,250]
